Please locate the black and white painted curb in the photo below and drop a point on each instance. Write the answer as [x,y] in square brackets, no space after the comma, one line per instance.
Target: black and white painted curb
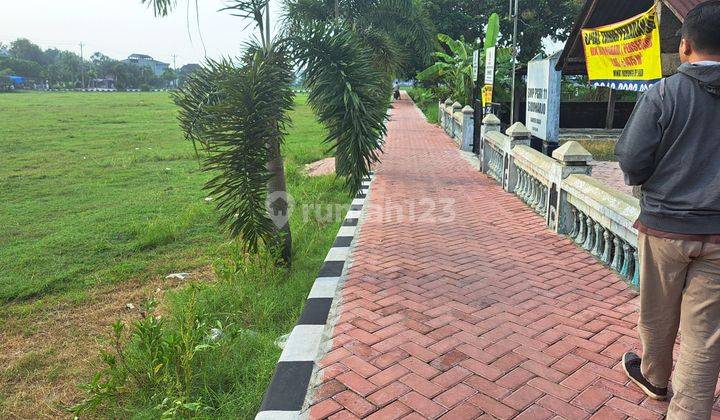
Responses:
[285,396]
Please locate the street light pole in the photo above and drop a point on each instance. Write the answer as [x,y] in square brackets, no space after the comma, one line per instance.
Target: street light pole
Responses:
[514,56]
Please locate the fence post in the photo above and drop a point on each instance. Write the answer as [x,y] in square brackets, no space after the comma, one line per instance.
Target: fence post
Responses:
[572,159]
[456,107]
[446,121]
[468,128]
[490,124]
[441,113]
[519,136]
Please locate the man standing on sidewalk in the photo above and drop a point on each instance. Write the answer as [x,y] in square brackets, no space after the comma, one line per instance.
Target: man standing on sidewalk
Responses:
[671,147]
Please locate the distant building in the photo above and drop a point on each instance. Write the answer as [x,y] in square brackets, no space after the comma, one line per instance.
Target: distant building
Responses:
[142,60]
[4,52]
[105,83]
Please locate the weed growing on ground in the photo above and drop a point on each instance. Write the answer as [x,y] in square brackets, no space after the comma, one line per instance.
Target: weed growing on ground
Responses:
[218,341]
[156,363]
[426,101]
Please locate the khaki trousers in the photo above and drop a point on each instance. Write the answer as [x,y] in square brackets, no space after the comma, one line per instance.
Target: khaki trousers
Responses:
[680,287]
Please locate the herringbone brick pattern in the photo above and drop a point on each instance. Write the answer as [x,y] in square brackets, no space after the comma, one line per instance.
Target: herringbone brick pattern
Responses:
[471,309]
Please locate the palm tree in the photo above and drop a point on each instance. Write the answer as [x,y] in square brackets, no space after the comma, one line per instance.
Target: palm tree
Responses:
[348,93]
[352,50]
[237,111]
[397,31]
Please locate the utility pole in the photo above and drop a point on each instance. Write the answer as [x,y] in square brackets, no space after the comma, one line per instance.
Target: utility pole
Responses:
[514,16]
[175,82]
[82,66]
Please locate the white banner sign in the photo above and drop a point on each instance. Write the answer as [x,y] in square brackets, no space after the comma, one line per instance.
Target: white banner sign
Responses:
[490,66]
[543,99]
[476,64]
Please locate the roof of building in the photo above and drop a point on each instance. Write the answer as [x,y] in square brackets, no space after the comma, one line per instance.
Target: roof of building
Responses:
[138,56]
[132,58]
[596,13]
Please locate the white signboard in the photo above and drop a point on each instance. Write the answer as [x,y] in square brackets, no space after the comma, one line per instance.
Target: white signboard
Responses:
[476,64]
[543,99]
[490,66]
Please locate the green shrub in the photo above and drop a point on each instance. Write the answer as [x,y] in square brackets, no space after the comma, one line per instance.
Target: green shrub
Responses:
[427,101]
[211,358]
[158,360]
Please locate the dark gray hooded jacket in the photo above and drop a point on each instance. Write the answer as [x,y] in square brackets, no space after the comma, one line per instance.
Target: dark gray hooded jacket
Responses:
[671,146]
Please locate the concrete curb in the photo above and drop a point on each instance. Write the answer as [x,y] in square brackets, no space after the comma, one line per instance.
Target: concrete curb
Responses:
[286,393]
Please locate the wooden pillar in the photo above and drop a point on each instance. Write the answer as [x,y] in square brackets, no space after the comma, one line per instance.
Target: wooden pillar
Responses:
[610,117]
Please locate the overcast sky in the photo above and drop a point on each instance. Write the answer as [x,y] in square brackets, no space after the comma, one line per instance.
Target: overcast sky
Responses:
[119,28]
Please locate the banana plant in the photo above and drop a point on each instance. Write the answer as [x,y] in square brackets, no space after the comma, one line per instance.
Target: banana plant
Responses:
[454,69]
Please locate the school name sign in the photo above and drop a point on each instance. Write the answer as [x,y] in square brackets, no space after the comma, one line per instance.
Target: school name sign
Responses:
[625,55]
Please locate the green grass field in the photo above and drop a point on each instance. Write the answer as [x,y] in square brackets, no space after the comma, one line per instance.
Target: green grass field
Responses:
[99,189]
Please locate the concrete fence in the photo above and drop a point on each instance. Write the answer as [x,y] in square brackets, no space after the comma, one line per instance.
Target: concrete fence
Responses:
[458,123]
[559,188]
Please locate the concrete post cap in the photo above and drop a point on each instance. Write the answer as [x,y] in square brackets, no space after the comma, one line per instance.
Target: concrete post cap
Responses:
[448,101]
[518,130]
[572,153]
[468,110]
[456,105]
[491,119]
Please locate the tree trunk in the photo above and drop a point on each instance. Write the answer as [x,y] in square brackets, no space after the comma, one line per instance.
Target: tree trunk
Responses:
[277,190]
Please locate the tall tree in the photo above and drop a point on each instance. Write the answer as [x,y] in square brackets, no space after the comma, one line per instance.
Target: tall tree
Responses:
[538,19]
[399,32]
[237,112]
[23,49]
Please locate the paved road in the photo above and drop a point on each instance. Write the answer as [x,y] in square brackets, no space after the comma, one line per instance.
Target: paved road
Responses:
[461,304]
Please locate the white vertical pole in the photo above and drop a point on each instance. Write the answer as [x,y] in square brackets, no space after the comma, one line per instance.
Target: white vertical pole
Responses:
[514,58]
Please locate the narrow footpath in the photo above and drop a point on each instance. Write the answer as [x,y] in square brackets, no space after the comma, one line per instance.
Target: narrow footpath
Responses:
[460,304]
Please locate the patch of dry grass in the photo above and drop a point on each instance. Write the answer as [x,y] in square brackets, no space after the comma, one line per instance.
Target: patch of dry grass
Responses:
[51,344]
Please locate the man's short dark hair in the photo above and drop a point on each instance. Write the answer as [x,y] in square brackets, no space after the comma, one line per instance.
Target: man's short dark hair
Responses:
[702,27]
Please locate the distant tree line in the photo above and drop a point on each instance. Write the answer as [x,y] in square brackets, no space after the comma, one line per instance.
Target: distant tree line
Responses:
[66,70]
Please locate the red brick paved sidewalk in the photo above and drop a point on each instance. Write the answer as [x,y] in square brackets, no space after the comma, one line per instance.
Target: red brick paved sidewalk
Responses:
[487,315]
